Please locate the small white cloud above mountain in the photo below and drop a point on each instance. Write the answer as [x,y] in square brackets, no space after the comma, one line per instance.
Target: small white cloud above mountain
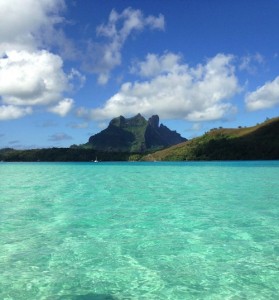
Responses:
[155,65]
[63,107]
[265,96]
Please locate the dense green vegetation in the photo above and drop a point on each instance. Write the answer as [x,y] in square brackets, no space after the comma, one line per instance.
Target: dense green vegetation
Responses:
[252,143]
[60,154]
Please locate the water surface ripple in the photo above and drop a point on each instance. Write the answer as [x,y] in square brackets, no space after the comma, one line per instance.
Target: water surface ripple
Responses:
[115,231]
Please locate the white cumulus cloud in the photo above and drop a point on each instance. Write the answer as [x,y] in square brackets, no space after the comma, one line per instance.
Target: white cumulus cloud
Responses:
[102,58]
[8,112]
[176,91]
[63,107]
[266,96]
[31,78]
[155,65]
[24,23]
[29,74]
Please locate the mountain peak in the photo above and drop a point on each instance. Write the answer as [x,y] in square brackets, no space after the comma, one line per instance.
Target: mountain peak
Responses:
[154,121]
[123,122]
[134,134]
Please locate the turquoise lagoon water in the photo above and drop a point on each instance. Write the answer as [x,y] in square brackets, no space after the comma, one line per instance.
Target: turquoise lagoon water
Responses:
[114,231]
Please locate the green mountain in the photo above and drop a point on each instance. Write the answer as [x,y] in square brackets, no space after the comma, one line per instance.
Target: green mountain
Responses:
[250,143]
[134,135]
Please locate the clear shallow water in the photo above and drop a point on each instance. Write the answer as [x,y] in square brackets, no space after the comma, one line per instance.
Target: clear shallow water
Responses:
[114,231]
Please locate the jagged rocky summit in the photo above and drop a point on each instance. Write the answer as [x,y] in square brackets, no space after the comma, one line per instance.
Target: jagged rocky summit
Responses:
[134,135]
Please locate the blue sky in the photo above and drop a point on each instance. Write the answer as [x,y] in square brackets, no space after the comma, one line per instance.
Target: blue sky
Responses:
[68,67]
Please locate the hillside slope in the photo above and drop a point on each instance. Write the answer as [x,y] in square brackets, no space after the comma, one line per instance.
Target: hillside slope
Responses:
[257,142]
